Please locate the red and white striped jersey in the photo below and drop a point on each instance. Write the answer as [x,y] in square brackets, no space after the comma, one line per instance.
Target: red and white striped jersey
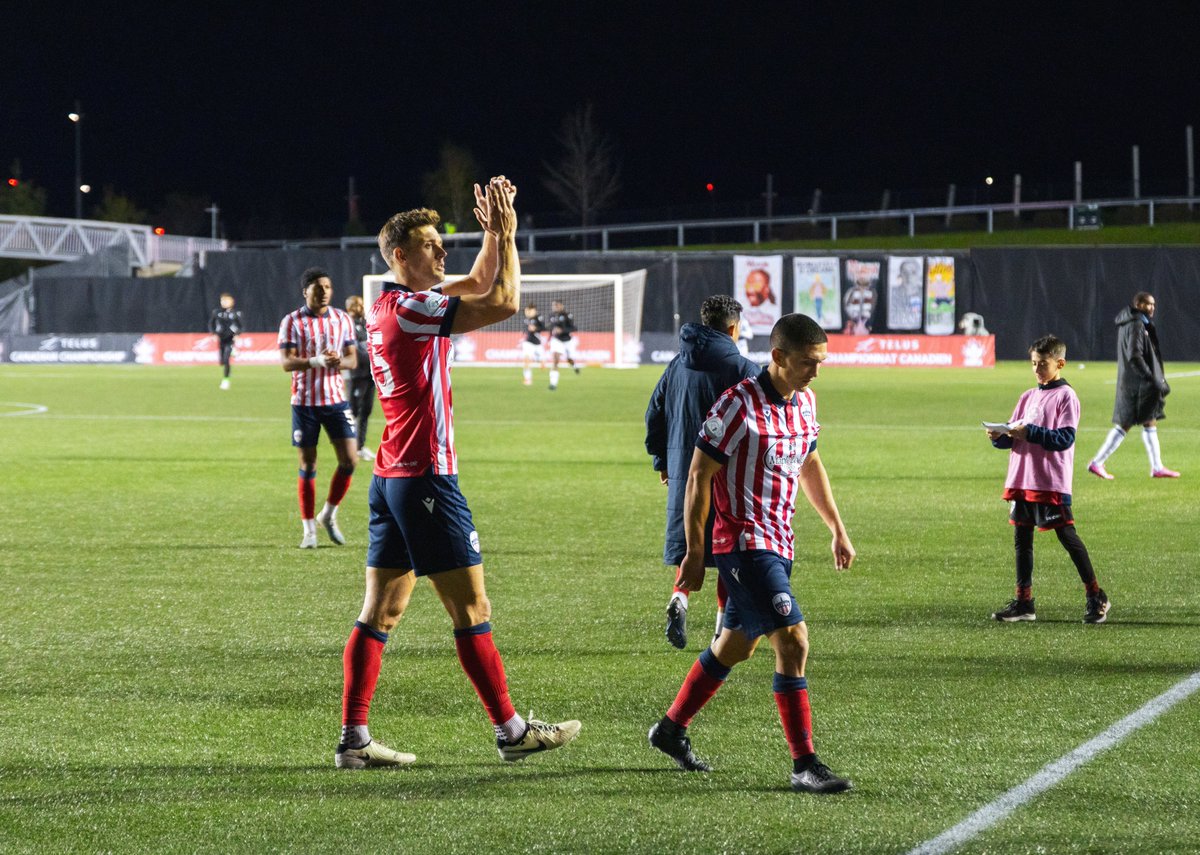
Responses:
[763,441]
[311,335]
[408,340]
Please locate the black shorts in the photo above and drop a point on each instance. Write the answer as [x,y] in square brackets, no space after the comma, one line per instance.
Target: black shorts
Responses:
[1043,515]
[422,523]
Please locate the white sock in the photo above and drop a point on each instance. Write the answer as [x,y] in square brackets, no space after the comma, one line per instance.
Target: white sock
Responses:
[528,375]
[328,512]
[1111,442]
[511,730]
[310,526]
[553,376]
[355,735]
[679,595]
[1150,440]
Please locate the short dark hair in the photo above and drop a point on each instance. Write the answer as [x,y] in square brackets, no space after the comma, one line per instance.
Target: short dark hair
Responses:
[311,275]
[720,311]
[797,332]
[1050,345]
[399,227]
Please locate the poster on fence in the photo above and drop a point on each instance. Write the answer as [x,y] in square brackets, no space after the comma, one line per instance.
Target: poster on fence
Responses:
[758,285]
[818,290]
[939,295]
[905,292]
[862,278]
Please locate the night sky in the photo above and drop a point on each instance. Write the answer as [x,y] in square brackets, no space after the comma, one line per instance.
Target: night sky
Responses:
[268,109]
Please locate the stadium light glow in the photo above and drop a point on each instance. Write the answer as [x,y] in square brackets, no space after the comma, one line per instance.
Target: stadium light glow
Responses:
[12,182]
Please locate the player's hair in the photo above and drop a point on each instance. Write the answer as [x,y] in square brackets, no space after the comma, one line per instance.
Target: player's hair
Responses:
[225,294]
[1049,345]
[399,227]
[720,312]
[311,275]
[531,306]
[796,332]
[1141,297]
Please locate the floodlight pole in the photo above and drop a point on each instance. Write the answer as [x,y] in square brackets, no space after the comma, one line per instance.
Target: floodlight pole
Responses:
[1137,172]
[77,118]
[213,210]
[1191,167]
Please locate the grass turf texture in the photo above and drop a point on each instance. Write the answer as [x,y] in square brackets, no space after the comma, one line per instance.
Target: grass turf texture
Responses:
[171,661]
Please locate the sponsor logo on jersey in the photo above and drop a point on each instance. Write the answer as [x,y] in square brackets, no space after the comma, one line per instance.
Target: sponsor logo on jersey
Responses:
[714,429]
[785,457]
[782,604]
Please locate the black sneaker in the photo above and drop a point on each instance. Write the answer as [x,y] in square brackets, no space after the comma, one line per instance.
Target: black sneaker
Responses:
[1097,608]
[673,741]
[677,623]
[1016,610]
[819,778]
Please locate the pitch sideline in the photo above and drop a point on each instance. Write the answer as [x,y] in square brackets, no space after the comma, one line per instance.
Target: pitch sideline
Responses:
[1052,773]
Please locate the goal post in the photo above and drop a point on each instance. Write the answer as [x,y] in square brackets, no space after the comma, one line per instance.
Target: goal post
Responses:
[606,308]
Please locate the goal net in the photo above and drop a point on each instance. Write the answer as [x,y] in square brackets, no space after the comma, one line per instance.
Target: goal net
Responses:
[606,308]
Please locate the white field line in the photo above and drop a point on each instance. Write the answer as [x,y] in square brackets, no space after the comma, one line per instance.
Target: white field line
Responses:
[26,409]
[1052,773]
[1172,376]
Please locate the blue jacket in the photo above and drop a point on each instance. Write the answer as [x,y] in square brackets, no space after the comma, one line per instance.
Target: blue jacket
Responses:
[708,363]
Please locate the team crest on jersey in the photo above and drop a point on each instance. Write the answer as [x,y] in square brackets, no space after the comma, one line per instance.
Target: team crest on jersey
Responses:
[784,456]
[474,541]
[806,413]
[782,604]
[714,429]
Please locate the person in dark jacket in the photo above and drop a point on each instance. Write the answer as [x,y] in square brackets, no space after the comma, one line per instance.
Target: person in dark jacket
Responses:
[359,381]
[1141,387]
[708,363]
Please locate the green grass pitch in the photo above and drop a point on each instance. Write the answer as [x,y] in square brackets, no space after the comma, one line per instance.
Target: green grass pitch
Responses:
[170,662]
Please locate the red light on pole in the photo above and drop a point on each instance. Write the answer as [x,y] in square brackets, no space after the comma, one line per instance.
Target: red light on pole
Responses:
[13,182]
[709,187]
[159,230]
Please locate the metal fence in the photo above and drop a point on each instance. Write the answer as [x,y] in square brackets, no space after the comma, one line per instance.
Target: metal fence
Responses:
[832,227]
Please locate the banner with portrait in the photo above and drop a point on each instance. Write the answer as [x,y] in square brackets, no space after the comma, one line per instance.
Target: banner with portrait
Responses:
[818,290]
[906,290]
[758,286]
[939,295]
[861,296]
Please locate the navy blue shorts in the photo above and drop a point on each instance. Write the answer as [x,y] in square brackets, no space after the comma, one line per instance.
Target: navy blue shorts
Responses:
[307,422]
[759,583]
[421,523]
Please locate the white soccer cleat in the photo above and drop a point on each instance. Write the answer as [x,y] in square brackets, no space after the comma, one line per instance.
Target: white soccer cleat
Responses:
[539,736]
[329,520]
[225,383]
[309,541]
[365,453]
[371,755]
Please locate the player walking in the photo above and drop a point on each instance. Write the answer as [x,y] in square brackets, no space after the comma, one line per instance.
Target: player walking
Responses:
[531,342]
[420,524]
[226,323]
[315,343]
[707,364]
[756,450]
[562,344]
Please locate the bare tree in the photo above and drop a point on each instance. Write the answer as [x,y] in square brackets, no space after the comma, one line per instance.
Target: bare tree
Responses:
[449,187]
[588,175]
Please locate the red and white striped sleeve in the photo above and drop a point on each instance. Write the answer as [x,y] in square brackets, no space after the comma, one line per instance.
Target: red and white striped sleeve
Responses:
[426,313]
